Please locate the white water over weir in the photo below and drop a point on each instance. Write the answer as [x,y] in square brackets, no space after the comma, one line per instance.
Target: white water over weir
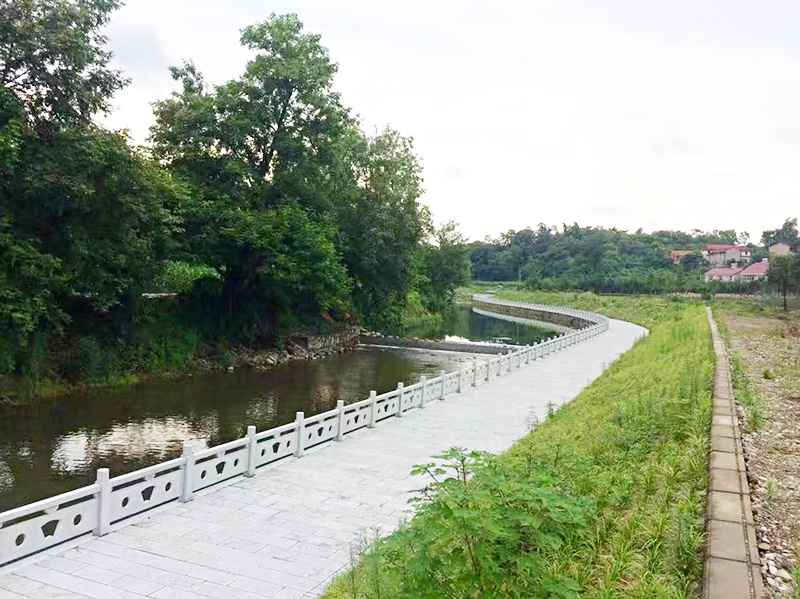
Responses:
[289,527]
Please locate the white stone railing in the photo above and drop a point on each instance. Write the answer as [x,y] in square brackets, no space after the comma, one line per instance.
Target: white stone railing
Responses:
[97,507]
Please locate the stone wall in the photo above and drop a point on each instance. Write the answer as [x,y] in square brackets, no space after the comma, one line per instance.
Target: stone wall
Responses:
[528,312]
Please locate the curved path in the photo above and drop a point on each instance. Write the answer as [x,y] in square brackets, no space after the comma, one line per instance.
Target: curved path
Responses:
[286,532]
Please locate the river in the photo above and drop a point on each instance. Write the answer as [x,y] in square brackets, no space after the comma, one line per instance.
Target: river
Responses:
[54,445]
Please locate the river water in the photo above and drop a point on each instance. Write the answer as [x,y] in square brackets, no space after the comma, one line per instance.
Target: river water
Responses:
[56,444]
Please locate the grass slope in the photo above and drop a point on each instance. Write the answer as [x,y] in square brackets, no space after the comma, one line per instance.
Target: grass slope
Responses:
[604,499]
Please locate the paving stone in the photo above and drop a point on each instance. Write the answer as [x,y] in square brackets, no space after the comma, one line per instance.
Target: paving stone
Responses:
[722,420]
[726,540]
[726,461]
[722,431]
[727,579]
[719,443]
[725,506]
[725,480]
[752,544]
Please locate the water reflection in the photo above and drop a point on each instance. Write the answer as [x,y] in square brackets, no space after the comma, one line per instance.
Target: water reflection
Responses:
[56,445]
[463,324]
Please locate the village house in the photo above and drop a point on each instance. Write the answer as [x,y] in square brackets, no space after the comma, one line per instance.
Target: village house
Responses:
[677,255]
[748,274]
[722,254]
[754,272]
[781,249]
[722,273]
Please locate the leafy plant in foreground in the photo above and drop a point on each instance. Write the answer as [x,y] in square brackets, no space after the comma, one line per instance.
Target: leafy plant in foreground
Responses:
[481,532]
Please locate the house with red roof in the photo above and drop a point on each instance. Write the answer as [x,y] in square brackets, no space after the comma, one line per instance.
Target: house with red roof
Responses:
[754,272]
[722,254]
[722,273]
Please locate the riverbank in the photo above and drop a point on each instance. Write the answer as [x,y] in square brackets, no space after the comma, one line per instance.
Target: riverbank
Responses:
[605,498]
[173,361]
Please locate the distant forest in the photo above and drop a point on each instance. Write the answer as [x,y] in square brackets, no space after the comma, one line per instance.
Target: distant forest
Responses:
[598,259]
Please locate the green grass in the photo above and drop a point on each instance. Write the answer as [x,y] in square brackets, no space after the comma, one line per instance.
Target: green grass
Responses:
[604,499]
[746,394]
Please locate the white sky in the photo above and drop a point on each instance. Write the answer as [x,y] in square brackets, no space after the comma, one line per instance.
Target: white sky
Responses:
[619,113]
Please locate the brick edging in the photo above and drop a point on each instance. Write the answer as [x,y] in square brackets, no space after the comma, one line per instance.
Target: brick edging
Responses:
[732,561]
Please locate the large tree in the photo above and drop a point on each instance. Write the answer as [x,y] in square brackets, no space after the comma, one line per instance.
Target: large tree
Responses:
[381,227]
[84,219]
[53,61]
[783,275]
[447,266]
[262,154]
[276,143]
[787,234]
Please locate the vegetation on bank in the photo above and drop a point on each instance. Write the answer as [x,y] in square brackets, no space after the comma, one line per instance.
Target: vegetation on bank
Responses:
[603,499]
[260,201]
[597,259]
[613,261]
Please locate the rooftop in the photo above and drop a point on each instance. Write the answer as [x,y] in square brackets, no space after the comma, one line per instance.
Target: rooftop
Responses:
[723,272]
[757,269]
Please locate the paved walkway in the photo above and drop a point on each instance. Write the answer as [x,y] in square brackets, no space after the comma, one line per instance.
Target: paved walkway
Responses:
[286,532]
[732,561]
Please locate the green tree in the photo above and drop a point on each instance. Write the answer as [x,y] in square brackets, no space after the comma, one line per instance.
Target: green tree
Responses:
[786,234]
[783,275]
[265,137]
[85,219]
[269,156]
[447,267]
[52,59]
[381,227]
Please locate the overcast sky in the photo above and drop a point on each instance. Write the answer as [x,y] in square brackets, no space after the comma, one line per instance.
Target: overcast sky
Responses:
[621,113]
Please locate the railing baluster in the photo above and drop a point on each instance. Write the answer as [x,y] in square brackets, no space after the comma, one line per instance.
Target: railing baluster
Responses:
[399,400]
[340,420]
[103,503]
[372,395]
[301,434]
[188,471]
[251,451]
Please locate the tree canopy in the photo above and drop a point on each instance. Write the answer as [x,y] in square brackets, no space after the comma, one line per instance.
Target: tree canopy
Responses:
[264,186]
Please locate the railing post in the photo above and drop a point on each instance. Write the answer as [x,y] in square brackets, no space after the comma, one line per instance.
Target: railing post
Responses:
[340,418]
[422,381]
[188,472]
[399,400]
[489,369]
[442,374]
[474,373]
[301,434]
[103,503]
[251,451]
[528,354]
[510,356]
[372,395]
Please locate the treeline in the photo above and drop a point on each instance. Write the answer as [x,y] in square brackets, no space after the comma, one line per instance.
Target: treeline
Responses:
[597,259]
[261,200]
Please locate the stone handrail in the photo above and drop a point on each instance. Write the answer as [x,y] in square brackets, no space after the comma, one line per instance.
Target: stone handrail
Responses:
[97,507]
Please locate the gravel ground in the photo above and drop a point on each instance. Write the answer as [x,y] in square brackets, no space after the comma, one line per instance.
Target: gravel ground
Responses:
[769,349]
